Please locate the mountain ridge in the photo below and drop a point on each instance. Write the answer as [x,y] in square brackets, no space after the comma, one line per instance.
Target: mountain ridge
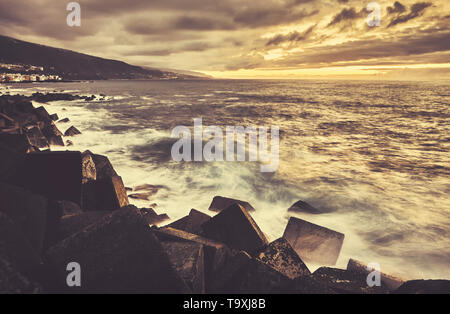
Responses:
[72,65]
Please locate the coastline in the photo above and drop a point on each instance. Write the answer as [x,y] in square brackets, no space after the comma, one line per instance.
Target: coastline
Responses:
[89,219]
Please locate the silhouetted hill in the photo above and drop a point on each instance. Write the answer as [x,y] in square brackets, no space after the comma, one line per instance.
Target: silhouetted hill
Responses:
[72,65]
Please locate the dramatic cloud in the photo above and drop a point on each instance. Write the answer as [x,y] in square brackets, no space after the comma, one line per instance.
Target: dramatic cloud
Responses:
[416,10]
[346,15]
[291,37]
[396,8]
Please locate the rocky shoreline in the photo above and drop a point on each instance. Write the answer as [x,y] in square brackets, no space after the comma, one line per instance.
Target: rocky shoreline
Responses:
[61,207]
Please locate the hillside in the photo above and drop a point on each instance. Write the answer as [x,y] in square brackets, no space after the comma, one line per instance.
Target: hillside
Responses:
[71,65]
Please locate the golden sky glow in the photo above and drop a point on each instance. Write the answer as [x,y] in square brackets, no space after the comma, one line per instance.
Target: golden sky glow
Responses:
[249,38]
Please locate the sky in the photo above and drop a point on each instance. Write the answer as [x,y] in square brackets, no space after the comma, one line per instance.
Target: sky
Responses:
[268,39]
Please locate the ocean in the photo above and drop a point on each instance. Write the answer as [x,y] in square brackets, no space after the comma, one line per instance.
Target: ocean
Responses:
[373,156]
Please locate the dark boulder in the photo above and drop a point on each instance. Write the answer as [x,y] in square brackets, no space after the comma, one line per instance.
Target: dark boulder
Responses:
[10,163]
[313,243]
[17,142]
[14,282]
[107,193]
[89,172]
[48,97]
[215,253]
[53,135]
[68,208]
[71,224]
[303,207]
[42,114]
[220,203]
[228,277]
[347,282]
[65,120]
[102,165]
[187,258]
[54,117]
[260,278]
[36,137]
[281,256]
[56,175]
[118,254]
[235,227]
[28,211]
[387,281]
[15,246]
[72,131]
[192,222]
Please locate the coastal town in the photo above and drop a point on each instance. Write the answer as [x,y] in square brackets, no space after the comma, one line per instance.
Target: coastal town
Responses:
[19,73]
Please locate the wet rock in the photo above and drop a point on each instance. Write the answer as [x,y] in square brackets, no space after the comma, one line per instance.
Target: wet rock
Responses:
[6,121]
[15,246]
[215,253]
[220,203]
[152,218]
[281,256]
[313,243]
[10,163]
[56,175]
[104,194]
[303,207]
[68,208]
[54,117]
[16,142]
[387,281]
[42,113]
[343,281]
[192,222]
[65,120]
[261,278]
[243,274]
[228,277]
[48,97]
[235,227]
[118,254]
[71,224]
[424,287]
[13,282]
[36,137]
[102,165]
[53,135]
[89,172]
[187,258]
[72,131]
[309,285]
[28,211]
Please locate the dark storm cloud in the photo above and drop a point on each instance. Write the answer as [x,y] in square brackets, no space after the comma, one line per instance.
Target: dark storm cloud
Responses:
[291,37]
[191,47]
[396,8]
[347,14]
[372,49]
[269,16]
[201,23]
[416,10]
[182,23]
[44,18]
